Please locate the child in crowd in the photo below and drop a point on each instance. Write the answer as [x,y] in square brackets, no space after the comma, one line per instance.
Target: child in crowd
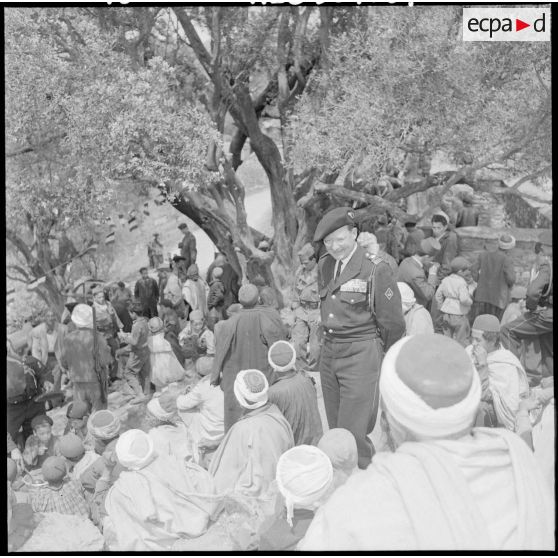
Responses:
[41,444]
[455,298]
[61,494]
[216,297]
[77,415]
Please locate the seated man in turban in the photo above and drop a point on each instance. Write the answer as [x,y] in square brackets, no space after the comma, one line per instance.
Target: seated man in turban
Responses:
[295,394]
[169,434]
[243,344]
[305,481]
[503,379]
[156,500]
[245,461]
[202,411]
[446,485]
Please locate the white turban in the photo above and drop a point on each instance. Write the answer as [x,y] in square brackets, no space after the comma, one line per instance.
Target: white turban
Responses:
[304,475]
[281,356]
[250,389]
[134,449]
[154,407]
[103,425]
[407,294]
[410,410]
[82,316]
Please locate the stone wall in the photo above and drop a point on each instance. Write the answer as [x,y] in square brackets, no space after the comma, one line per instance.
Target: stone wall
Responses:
[476,239]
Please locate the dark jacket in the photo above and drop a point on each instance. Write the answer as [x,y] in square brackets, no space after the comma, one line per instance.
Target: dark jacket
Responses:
[413,273]
[347,310]
[495,275]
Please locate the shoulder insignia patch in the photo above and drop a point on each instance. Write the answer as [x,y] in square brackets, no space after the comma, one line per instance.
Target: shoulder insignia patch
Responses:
[376,259]
[388,294]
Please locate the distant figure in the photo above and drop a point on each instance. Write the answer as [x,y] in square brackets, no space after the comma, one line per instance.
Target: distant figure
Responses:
[187,247]
[120,300]
[195,290]
[216,296]
[448,240]
[230,279]
[155,252]
[467,216]
[454,300]
[495,274]
[147,292]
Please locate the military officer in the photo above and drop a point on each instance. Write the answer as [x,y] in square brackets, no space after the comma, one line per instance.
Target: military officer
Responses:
[362,317]
[305,330]
[537,321]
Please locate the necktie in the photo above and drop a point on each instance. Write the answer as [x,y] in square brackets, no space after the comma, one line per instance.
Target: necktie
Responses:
[338,272]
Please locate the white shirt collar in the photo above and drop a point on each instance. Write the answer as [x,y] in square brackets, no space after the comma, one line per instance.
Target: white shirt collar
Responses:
[345,261]
[418,260]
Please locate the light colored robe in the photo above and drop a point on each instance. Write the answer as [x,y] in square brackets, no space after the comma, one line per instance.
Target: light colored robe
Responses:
[172,441]
[247,458]
[165,367]
[152,508]
[202,410]
[483,491]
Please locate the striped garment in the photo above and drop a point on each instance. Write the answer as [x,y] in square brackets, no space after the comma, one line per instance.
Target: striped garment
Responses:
[67,499]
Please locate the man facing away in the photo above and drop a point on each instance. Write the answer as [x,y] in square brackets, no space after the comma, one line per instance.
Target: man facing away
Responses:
[445,485]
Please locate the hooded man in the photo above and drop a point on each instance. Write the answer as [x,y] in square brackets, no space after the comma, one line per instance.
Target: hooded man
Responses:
[195,290]
[246,459]
[445,485]
[295,394]
[244,344]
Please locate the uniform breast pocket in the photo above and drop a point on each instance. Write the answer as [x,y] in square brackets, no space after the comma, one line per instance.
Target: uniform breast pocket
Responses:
[352,298]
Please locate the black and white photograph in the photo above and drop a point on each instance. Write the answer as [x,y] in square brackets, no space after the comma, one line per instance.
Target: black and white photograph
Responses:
[279,277]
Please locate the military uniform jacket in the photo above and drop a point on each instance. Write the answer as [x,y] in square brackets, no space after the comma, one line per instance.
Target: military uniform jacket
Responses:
[363,303]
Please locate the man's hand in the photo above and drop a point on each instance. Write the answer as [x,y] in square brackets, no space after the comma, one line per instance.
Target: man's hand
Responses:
[480,355]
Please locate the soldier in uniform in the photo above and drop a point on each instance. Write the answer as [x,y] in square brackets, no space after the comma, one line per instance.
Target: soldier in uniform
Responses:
[305,330]
[537,321]
[362,317]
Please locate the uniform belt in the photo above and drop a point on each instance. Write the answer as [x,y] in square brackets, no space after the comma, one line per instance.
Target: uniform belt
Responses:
[349,338]
[311,305]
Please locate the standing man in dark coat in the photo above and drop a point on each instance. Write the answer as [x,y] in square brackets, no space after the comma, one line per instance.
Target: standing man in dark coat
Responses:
[494,273]
[187,248]
[537,321]
[362,317]
[243,344]
[230,279]
[147,292]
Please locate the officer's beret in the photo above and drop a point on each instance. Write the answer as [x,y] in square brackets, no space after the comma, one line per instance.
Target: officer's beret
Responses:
[41,420]
[333,220]
[54,469]
[546,238]
[487,322]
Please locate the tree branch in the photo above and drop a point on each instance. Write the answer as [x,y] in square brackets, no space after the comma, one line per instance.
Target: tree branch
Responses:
[531,176]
